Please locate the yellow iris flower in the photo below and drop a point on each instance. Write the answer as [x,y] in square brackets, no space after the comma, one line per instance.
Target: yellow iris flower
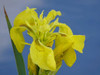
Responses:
[41,29]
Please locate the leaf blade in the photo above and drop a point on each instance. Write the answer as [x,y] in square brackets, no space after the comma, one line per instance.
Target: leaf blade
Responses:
[18,56]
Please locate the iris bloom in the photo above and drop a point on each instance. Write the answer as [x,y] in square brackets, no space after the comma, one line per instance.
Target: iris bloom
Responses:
[41,29]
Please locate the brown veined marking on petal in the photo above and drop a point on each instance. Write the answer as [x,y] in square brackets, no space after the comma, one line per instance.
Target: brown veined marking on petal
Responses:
[62,34]
[29,29]
[26,27]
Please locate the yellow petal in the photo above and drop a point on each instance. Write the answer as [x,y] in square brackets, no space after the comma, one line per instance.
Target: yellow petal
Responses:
[42,56]
[44,28]
[69,57]
[78,42]
[52,14]
[62,43]
[28,15]
[52,25]
[31,65]
[63,28]
[18,39]
[41,15]
[49,39]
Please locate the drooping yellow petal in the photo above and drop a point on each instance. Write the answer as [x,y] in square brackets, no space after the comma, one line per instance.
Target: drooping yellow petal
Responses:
[63,28]
[69,57]
[51,15]
[62,43]
[42,56]
[18,39]
[78,42]
[28,15]
[31,65]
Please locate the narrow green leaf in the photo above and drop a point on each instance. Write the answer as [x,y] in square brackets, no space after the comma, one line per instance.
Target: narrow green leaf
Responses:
[18,56]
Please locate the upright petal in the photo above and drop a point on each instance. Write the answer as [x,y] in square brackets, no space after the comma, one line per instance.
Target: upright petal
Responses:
[53,25]
[28,15]
[78,42]
[41,15]
[42,56]
[69,57]
[63,28]
[51,15]
[18,39]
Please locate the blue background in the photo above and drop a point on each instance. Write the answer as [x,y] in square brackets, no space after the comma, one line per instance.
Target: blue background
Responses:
[83,16]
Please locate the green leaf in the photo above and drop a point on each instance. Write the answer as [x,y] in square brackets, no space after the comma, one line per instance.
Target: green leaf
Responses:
[18,56]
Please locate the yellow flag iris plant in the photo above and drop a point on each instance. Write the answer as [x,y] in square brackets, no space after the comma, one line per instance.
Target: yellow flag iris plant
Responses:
[41,29]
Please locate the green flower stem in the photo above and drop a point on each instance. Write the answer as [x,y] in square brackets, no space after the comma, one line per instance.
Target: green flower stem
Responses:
[46,72]
[18,56]
[30,72]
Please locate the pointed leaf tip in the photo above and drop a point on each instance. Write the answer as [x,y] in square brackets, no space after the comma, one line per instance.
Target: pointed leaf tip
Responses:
[5,12]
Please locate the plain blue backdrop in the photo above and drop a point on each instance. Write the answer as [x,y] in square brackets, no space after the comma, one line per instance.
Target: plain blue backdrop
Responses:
[83,16]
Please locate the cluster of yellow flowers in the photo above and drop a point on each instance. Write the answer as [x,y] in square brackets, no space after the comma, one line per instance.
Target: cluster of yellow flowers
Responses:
[41,29]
